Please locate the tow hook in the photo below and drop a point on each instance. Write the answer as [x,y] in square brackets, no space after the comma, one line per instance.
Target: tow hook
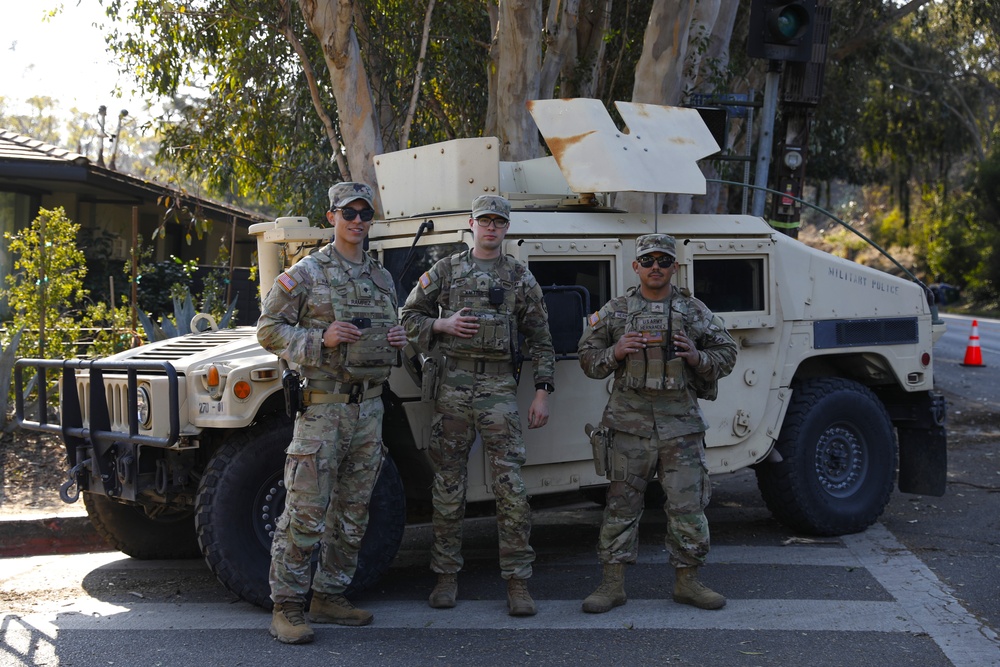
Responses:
[73,481]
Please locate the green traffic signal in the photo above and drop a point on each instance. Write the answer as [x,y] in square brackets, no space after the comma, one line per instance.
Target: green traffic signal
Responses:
[788,22]
[781,29]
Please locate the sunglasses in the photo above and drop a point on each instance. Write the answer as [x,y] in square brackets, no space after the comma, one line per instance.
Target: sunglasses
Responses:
[662,262]
[351,213]
[499,223]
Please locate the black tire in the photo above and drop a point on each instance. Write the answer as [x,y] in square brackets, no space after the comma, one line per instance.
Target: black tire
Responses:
[129,529]
[242,494]
[839,459]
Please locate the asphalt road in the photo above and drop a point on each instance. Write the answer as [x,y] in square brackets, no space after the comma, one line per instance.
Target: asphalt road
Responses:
[918,588]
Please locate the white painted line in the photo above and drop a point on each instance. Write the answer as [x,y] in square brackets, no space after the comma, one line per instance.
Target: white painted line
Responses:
[815,556]
[802,615]
[964,639]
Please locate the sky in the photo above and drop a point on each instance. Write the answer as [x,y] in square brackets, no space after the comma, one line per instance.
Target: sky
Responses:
[64,58]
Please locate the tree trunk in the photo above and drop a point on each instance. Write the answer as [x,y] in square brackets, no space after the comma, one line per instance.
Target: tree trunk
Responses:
[332,23]
[591,29]
[560,43]
[660,69]
[518,76]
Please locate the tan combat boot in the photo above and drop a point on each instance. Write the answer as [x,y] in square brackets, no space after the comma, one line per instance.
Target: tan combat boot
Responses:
[445,591]
[611,592]
[519,602]
[336,609]
[688,590]
[288,624]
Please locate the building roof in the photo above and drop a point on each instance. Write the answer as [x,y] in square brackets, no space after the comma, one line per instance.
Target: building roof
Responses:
[35,167]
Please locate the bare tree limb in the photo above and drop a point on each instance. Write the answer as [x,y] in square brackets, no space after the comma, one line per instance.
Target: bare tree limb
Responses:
[286,31]
[405,137]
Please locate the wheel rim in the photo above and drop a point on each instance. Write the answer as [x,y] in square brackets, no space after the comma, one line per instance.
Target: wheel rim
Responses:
[267,507]
[841,461]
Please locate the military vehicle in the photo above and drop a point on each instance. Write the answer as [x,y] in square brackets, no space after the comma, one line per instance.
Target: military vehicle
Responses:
[177,446]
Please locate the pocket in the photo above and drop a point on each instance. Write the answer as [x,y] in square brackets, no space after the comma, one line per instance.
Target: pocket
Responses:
[303,446]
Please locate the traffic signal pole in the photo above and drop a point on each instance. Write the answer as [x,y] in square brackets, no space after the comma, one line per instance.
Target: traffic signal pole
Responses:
[765,140]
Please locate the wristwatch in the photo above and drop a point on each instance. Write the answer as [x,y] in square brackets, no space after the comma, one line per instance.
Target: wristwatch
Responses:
[546,386]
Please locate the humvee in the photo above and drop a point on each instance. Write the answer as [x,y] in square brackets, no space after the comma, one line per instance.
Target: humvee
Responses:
[178,446]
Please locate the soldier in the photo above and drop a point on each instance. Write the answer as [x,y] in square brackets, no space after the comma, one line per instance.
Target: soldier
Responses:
[666,348]
[473,304]
[334,314]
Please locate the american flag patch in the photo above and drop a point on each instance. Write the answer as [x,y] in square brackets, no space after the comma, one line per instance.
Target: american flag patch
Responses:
[425,280]
[595,318]
[287,282]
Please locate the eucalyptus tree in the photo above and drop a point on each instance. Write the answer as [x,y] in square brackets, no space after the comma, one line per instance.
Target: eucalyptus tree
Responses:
[277,97]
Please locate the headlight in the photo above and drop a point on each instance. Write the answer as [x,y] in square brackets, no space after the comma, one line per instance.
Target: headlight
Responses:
[143,411]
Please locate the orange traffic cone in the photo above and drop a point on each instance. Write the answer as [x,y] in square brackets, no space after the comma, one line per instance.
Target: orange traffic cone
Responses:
[974,353]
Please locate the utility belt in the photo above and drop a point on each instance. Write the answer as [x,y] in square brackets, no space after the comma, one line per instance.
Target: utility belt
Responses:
[331,391]
[479,366]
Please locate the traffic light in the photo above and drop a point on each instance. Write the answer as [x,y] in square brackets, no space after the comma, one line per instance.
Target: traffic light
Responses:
[781,29]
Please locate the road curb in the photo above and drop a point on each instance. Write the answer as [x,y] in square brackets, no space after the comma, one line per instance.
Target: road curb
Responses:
[48,536]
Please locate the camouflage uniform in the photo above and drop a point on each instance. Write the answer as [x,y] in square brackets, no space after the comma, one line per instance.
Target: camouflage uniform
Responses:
[656,421]
[477,393]
[336,450]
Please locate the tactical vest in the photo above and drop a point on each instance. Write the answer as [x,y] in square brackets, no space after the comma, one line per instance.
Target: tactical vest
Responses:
[370,357]
[654,368]
[492,299]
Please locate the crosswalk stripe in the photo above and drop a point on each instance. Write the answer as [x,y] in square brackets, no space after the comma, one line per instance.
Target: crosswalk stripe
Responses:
[964,639]
[802,615]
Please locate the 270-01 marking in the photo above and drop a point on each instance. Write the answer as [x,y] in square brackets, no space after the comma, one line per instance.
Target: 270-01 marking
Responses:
[209,408]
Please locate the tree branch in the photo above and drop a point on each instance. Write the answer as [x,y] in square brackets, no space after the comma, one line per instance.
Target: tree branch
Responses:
[286,31]
[865,37]
[405,138]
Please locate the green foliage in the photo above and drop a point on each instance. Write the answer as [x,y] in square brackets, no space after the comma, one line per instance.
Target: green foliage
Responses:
[46,288]
[112,329]
[8,354]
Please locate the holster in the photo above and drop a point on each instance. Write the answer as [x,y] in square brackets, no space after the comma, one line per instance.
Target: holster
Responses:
[608,462]
[599,438]
[429,375]
[291,382]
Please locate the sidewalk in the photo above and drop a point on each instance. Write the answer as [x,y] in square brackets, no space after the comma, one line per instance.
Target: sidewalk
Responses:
[45,533]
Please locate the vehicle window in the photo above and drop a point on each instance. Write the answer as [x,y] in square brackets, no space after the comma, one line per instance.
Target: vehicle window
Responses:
[424,257]
[594,275]
[573,289]
[728,285]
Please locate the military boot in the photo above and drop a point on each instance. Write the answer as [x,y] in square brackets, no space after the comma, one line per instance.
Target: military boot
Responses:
[445,591]
[519,602]
[688,590]
[336,609]
[288,624]
[611,592]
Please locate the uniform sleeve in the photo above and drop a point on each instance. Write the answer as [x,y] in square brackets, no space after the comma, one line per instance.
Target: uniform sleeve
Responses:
[717,347]
[596,349]
[533,323]
[421,309]
[278,329]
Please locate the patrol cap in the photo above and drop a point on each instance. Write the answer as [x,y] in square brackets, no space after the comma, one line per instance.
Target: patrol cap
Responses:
[342,194]
[491,204]
[649,243]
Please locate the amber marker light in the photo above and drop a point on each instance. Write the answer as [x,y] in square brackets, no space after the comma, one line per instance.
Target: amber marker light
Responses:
[212,377]
[242,390]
